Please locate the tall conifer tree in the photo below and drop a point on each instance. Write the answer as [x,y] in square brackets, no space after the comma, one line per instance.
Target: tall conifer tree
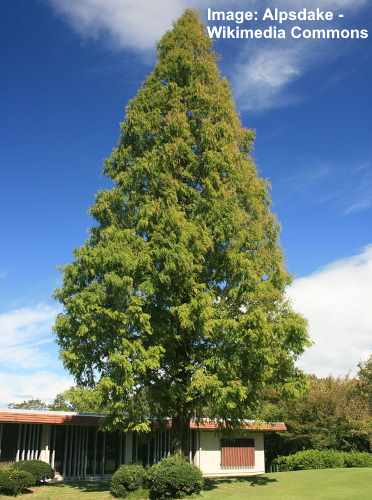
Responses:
[176,304]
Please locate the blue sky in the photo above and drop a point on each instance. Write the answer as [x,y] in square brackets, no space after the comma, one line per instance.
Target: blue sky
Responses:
[68,68]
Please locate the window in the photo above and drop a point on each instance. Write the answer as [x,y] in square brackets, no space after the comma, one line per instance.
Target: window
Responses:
[237,453]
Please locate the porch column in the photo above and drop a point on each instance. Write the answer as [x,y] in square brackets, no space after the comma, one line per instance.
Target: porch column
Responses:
[44,443]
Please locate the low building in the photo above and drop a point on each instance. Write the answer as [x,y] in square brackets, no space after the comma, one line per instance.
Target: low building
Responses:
[75,446]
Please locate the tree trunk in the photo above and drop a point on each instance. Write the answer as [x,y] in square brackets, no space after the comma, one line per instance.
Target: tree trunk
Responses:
[181,435]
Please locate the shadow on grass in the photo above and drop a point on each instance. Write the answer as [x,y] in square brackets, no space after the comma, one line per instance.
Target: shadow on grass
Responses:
[88,486]
[211,484]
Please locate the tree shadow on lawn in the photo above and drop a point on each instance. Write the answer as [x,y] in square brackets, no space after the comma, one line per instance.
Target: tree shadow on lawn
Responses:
[211,484]
[89,486]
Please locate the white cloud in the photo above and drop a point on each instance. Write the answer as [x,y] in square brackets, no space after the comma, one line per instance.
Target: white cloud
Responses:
[22,332]
[29,365]
[337,301]
[361,189]
[265,72]
[262,72]
[42,385]
[134,24]
[261,78]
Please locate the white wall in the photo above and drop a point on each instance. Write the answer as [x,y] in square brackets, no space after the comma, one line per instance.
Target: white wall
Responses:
[208,456]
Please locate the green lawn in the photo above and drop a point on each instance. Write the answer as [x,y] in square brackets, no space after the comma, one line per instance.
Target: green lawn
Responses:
[327,484]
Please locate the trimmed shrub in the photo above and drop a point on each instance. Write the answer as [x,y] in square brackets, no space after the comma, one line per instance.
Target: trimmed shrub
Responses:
[174,477]
[126,479]
[358,459]
[40,470]
[322,459]
[14,481]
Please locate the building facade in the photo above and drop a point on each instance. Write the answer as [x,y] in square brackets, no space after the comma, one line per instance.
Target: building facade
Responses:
[76,448]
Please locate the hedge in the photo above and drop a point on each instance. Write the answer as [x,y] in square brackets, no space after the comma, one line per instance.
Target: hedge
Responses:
[322,459]
[126,479]
[40,470]
[174,477]
[14,481]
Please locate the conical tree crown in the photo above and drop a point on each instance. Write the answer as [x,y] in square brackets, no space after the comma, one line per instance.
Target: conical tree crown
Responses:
[176,301]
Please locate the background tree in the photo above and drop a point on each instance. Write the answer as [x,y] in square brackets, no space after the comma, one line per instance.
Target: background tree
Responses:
[365,381]
[30,404]
[330,414]
[176,304]
[78,399]
[365,388]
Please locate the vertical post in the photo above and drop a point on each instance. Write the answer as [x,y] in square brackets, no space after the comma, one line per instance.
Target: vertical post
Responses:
[128,447]
[32,441]
[28,442]
[120,448]
[64,467]
[95,452]
[1,437]
[103,452]
[78,460]
[124,450]
[20,428]
[30,438]
[76,449]
[72,441]
[82,446]
[35,446]
[199,442]
[53,447]
[190,446]
[70,450]
[86,451]
[38,442]
[23,444]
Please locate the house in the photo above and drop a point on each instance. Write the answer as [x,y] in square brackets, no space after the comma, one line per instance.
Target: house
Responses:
[75,446]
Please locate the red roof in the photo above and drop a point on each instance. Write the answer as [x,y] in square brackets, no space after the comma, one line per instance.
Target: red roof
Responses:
[252,425]
[61,418]
[48,417]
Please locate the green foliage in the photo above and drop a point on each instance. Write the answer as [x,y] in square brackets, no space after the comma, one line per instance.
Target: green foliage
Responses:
[80,399]
[365,382]
[176,305]
[323,459]
[174,477]
[30,404]
[330,413]
[126,479]
[14,481]
[357,459]
[40,470]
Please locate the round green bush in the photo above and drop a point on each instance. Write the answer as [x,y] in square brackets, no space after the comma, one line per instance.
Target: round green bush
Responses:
[14,481]
[127,478]
[40,470]
[174,477]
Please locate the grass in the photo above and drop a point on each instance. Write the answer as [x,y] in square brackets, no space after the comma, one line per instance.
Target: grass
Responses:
[326,484]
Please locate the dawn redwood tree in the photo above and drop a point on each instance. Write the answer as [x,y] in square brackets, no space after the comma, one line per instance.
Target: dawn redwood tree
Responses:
[175,306]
